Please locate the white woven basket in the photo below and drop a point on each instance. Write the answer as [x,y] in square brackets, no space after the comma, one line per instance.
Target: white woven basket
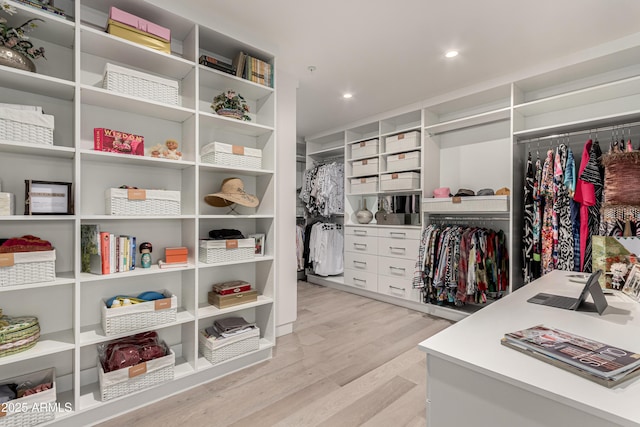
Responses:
[156,202]
[215,251]
[219,153]
[29,267]
[217,351]
[26,126]
[27,411]
[139,316]
[117,383]
[142,85]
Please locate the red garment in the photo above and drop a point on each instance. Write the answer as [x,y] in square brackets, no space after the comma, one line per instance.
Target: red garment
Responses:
[586,196]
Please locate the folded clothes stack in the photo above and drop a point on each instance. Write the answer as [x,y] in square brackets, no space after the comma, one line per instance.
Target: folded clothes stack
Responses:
[229,327]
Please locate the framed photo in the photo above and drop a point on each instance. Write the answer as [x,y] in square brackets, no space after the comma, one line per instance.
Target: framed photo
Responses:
[47,198]
[259,238]
[632,284]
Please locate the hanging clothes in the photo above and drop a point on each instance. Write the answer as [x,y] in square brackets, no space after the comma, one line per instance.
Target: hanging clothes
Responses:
[585,196]
[527,235]
[562,209]
[323,189]
[300,247]
[546,232]
[593,174]
[536,262]
[326,247]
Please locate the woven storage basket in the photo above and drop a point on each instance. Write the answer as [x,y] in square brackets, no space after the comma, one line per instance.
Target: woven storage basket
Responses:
[122,201]
[27,411]
[22,334]
[217,351]
[214,251]
[122,382]
[228,112]
[29,267]
[26,126]
[139,316]
[141,85]
[219,153]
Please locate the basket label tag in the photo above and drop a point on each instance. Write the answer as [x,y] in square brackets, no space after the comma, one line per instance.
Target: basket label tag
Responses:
[3,410]
[401,136]
[136,194]
[232,244]
[6,260]
[139,369]
[363,144]
[394,176]
[401,156]
[162,304]
[363,180]
[456,199]
[365,162]
[237,149]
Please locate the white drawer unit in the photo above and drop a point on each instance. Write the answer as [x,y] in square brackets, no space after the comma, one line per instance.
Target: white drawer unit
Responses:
[361,231]
[361,262]
[361,279]
[401,233]
[398,288]
[396,267]
[398,248]
[361,244]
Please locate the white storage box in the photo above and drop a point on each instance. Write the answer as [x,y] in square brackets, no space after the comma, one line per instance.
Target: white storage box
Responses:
[214,251]
[364,148]
[21,268]
[219,153]
[403,161]
[138,377]
[139,84]
[403,141]
[35,408]
[365,167]
[217,351]
[400,181]
[364,185]
[127,201]
[466,204]
[139,316]
[28,126]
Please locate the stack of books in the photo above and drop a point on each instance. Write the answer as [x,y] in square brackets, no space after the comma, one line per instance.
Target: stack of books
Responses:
[595,361]
[211,62]
[106,253]
[175,258]
[253,69]
[228,294]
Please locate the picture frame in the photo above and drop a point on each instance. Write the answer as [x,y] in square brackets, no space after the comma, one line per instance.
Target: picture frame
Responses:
[259,245]
[47,198]
[632,284]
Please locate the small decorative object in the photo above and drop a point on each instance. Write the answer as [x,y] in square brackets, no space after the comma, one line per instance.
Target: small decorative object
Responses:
[47,198]
[145,259]
[232,192]
[259,238]
[364,215]
[632,284]
[15,48]
[231,104]
[171,152]
[156,151]
[619,271]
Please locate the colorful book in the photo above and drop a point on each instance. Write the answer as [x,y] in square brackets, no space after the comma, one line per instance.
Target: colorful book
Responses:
[105,252]
[115,141]
[91,260]
[132,240]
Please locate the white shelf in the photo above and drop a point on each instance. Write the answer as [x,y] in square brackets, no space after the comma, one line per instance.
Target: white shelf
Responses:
[404,150]
[135,217]
[121,159]
[234,125]
[37,218]
[61,280]
[237,216]
[466,205]
[244,261]
[115,101]
[117,49]
[94,334]
[55,28]
[213,78]
[40,84]
[264,344]
[466,122]
[241,171]
[327,153]
[399,130]
[355,159]
[138,271]
[55,342]
[207,310]
[37,149]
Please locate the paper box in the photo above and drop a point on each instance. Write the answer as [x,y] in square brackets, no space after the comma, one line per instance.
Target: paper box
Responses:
[134,35]
[172,255]
[114,141]
[134,21]
[224,301]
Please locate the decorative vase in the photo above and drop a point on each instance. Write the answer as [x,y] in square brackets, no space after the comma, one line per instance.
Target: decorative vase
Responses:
[364,216]
[12,58]
[228,112]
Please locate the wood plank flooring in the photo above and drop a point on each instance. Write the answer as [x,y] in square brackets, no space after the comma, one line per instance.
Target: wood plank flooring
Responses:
[351,361]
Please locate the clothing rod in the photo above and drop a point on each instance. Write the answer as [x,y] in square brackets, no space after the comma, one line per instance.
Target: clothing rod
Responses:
[467,218]
[587,131]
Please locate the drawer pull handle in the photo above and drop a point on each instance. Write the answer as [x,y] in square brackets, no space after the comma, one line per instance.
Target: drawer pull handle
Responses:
[398,233]
[360,245]
[395,248]
[391,267]
[393,289]
[360,232]
[355,280]
[397,288]
[360,262]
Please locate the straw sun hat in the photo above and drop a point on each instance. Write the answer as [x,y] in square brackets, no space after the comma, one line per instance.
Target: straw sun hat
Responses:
[232,191]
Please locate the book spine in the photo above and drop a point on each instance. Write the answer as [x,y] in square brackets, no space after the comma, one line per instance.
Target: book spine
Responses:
[112,253]
[132,239]
[105,251]
[229,70]
[98,134]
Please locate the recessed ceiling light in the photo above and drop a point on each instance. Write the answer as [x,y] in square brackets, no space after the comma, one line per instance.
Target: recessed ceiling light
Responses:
[347,96]
[451,54]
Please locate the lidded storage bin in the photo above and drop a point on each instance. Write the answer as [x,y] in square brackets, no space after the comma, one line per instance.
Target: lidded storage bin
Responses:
[364,185]
[128,201]
[26,125]
[214,251]
[364,148]
[139,84]
[366,167]
[400,181]
[20,268]
[403,161]
[403,141]
[219,153]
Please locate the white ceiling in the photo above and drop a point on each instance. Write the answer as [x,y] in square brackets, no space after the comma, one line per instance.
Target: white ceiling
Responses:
[389,54]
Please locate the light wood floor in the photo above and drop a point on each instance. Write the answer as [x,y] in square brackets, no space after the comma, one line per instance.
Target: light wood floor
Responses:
[351,361]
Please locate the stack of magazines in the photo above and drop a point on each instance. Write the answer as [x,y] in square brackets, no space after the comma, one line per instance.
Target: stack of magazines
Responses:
[598,362]
[229,327]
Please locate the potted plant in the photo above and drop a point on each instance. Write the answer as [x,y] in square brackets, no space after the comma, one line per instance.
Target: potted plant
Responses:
[15,48]
[231,104]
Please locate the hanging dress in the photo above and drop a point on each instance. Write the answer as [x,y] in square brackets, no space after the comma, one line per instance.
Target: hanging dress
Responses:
[585,196]
[527,235]
[562,208]
[593,174]
[546,232]
[574,211]
[537,222]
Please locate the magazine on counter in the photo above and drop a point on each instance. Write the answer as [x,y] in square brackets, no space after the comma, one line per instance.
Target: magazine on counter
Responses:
[599,359]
